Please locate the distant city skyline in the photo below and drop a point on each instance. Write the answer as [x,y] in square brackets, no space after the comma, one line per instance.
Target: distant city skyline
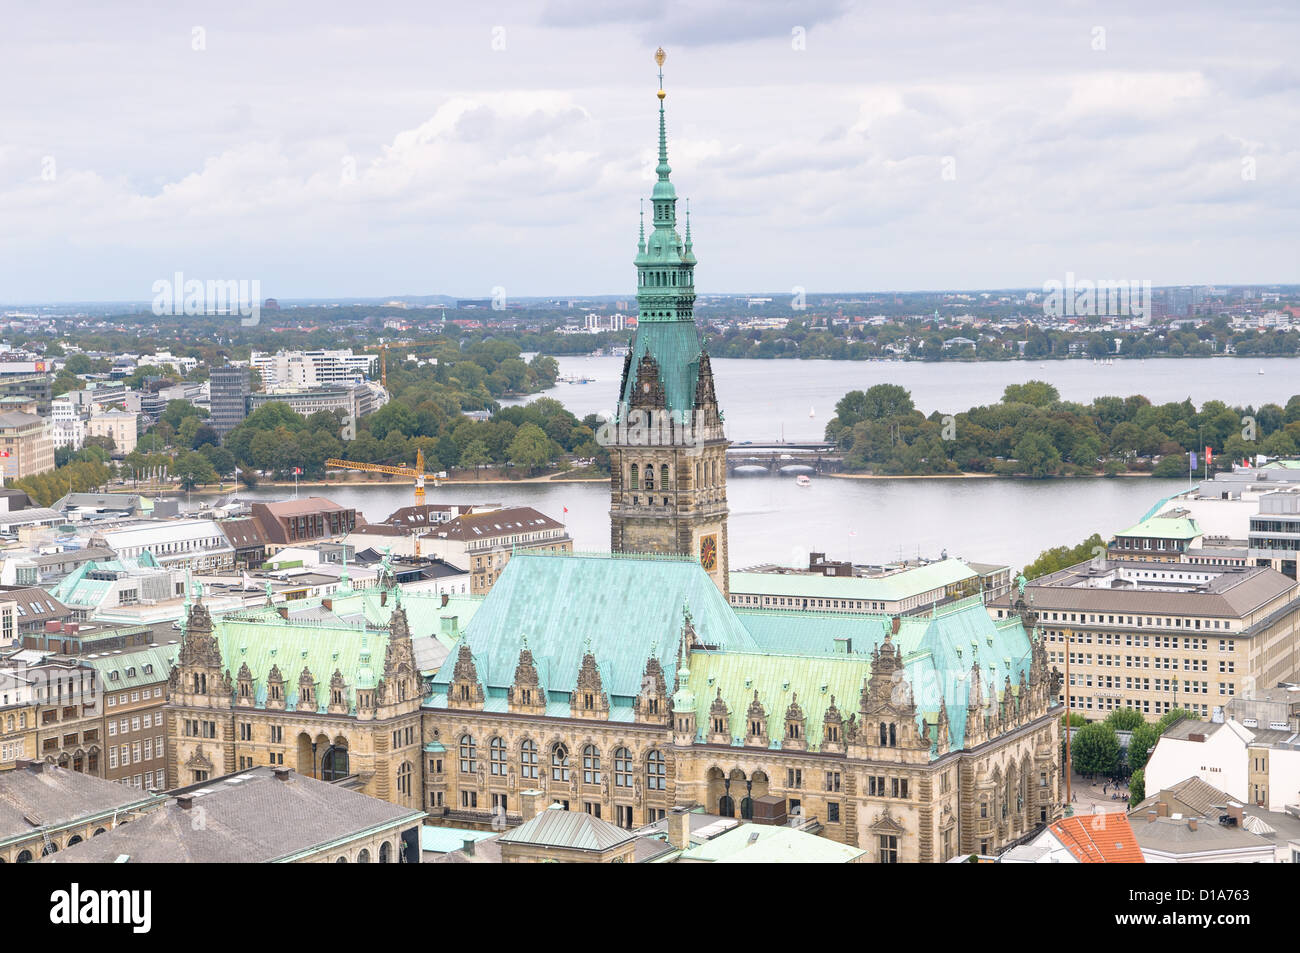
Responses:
[337,153]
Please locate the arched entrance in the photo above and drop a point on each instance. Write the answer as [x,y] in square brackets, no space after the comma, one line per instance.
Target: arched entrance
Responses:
[306,757]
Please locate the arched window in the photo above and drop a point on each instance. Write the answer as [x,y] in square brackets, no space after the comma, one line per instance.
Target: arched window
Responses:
[699,474]
[635,481]
[497,757]
[747,808]
[334,763]
[468,755]
[663,476]
[341,860]
[528,759]
[74,839]
[363,857]
[656,771]
[649,476]
[404,779]
[726,806]
[622,768]
[559,762]
[385,853]
[590,765]
[98,831]
[49,848]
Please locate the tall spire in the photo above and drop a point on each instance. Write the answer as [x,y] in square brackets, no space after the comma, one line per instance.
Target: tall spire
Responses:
[663,168]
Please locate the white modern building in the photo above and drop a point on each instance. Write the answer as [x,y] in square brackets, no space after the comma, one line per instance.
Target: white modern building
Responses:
[1253,754]
[312,368]
[197,544]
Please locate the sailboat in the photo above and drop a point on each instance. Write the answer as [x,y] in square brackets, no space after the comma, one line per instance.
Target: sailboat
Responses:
[812,412]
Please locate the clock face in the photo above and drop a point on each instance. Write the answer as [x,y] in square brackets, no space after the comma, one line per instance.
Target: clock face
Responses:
[709,552]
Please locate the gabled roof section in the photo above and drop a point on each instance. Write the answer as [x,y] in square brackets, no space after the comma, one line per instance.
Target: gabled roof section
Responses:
[568,830]
[1099,838]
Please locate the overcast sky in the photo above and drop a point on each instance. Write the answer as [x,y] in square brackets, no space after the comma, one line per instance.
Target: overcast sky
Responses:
[361,149]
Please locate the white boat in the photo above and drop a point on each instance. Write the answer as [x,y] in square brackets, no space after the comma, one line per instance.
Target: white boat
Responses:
[812,412]
[1261,370]
[803,480]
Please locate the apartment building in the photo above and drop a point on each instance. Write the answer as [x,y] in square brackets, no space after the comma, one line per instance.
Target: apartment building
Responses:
[134,689]
[1152,636]
[26,447]
[122,426]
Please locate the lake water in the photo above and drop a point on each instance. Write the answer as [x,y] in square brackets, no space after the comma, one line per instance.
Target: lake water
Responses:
[873,521]
[774,520]
[763,400]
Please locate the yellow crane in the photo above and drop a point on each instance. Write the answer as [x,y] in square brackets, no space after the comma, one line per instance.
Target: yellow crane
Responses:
[416,472]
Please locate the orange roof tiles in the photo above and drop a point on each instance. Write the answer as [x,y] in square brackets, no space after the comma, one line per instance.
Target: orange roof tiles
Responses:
[1099,838]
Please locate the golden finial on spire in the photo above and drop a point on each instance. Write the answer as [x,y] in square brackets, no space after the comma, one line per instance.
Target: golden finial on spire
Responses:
[660,56]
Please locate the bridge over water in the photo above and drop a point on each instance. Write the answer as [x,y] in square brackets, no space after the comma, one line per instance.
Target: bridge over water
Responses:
[778,457]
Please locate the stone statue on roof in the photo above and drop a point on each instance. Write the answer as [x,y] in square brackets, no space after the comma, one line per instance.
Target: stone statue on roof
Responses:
[1020,583]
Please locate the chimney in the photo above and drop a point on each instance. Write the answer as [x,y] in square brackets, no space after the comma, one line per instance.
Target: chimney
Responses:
[1235,812]
[528,802]
[445,596]
[467,845]
[895,624]
[35,767]
[1162,808]
[383,597]
[1152,815]
[679,828]
[1191,823]
[184,802]
[282,774]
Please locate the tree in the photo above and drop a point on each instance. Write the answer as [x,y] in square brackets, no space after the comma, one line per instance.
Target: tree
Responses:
[1139,747]
[530,448]
[1037,393]
[475,455]
[1171,465]
[1061,557]
[1037,455]
[193,469]
[1125,719]
[1137,788]
[1176,714]
[1095,749]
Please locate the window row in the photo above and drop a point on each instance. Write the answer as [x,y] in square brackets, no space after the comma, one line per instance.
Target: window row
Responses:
[560,763]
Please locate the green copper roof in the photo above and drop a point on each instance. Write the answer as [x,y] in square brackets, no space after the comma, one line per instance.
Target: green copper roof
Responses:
[675,347]
[133,669]
[346,637]
[777,679]
[1164,527]
[624,607]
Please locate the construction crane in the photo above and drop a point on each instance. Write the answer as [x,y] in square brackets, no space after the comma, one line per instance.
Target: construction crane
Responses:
[416,472]
[383,355]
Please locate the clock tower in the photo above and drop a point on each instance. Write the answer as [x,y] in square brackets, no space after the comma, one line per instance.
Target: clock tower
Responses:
[668,466]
